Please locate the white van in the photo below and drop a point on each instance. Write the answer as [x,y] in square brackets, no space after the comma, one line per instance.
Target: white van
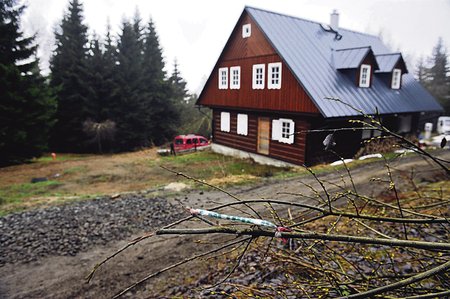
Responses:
[443,125]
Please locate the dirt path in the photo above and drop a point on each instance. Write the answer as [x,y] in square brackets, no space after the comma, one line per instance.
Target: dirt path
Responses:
[62,277]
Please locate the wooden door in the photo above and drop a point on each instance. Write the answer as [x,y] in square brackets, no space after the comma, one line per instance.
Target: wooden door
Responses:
[263,135]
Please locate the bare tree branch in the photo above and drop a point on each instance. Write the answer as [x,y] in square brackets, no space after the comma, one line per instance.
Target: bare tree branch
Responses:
[399,284]
[429,296]
[308,236]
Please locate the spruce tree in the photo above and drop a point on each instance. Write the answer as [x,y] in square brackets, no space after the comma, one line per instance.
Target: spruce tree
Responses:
[26,102]
[130,103]
[69,77]
[439,73]
[192,119]
[164,115]
[422,71]
[94,75]
[100,73]
[178,85]
[101,88]
[109,86]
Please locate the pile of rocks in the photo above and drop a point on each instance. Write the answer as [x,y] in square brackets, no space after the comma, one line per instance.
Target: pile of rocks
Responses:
[71,228]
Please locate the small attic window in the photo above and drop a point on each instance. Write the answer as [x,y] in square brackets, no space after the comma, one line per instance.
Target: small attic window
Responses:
[396,78]
[364,75]
[246,30]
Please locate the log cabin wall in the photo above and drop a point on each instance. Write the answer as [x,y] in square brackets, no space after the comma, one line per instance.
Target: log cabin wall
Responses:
[292,153]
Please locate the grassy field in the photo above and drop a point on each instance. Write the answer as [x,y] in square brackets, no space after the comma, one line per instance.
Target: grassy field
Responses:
[79,177]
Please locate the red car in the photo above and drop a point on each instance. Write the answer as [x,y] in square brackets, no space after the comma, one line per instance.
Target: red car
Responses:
[187,142]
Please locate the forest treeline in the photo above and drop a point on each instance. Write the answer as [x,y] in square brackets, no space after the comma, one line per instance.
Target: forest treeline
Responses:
[112,95]
[434,73]
[103,94]
[109,93]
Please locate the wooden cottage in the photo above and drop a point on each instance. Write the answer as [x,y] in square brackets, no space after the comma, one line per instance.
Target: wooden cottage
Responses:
[276,74]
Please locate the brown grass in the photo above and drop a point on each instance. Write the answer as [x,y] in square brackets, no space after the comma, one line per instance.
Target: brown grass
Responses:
[93,174]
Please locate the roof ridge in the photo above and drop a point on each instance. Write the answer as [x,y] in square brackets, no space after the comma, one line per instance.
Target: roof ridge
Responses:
[393,53]
[353,48]
[306,20]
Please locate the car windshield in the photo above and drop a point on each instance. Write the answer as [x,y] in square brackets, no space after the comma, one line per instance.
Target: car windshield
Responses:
[178,141]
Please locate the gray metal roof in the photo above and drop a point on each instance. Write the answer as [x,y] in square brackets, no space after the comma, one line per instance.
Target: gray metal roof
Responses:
[307,49]
[349,58]
[386,62]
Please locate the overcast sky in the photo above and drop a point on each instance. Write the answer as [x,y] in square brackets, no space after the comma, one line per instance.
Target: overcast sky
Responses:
[195,31]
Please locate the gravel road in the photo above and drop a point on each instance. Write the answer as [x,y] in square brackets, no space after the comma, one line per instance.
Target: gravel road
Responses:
[71,228]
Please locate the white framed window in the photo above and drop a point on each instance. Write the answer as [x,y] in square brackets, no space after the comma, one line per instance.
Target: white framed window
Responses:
[223,78]
[225,121]
[283,130]
[258,76]
[364,75]
[396,78]
[235,77]
[246,30]
[274,76]
[242,124]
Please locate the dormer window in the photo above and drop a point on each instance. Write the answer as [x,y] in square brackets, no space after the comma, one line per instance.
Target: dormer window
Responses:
[223,78]
[246,30]
[396,78]
[364,76]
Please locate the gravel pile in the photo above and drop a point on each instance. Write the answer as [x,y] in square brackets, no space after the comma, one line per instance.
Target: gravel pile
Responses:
[69,229]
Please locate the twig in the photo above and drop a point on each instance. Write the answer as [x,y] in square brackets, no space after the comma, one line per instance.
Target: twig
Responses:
[238,262]
[176,265]
[204,220]
[376,202]
[334,213]
[209,185]
[399,284]
[322,185]
[372,229]
[429,296]
[394,188]
[129,244]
